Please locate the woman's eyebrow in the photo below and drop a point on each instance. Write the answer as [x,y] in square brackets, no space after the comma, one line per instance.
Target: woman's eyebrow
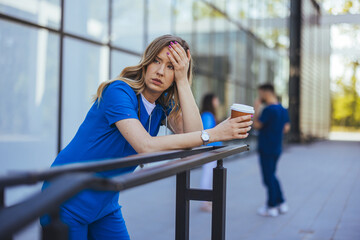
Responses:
[159,58]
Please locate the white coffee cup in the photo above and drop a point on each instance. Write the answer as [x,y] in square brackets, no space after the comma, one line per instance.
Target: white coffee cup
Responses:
[238,110]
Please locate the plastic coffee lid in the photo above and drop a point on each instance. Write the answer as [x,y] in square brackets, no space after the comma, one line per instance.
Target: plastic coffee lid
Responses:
[242,108]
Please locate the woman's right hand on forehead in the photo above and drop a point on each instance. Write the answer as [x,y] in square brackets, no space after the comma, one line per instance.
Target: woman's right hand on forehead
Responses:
[180,59]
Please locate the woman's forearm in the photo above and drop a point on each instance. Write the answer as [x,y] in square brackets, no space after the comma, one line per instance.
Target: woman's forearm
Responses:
[190,112]
[183,140]
[173,142]
[142,142]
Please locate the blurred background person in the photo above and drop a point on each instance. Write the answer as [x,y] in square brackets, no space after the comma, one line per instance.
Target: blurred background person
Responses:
[272,122]
[210,104]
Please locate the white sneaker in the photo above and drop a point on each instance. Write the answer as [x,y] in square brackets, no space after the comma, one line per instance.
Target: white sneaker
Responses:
[283,208]
[268,212]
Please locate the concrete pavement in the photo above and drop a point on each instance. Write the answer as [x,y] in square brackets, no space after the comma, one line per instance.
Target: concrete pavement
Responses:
[320,181]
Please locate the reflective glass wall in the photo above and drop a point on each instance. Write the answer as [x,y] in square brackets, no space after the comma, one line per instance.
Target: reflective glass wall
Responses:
[315,106]
[54,54]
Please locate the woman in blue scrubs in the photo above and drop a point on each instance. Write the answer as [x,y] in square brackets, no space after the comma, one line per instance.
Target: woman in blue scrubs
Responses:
[125,119]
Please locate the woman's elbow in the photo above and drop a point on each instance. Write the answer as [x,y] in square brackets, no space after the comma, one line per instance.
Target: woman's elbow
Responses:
[146,146]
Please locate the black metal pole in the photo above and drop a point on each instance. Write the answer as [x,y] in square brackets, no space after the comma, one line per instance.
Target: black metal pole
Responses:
[182,206]
[61,59]
[56,230]
[295,69]
[2,205]
[219,202]
[110,36]
[146,24]
[2,198]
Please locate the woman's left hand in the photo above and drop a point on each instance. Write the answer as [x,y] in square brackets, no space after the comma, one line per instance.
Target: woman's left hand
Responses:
[180,60]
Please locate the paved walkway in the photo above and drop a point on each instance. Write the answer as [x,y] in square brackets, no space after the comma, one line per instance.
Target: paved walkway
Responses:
[320,181]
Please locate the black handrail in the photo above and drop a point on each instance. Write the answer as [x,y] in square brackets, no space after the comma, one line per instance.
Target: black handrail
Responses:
[31,177]
[69,184]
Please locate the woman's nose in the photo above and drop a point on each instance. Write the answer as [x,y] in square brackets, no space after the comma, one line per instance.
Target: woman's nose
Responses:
[160,69]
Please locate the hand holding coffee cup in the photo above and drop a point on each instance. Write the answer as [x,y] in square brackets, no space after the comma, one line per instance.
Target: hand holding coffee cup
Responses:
[235,127]
[238,110]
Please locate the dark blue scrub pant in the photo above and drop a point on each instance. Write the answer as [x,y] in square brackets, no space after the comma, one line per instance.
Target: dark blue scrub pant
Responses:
[111,226]
[268,164]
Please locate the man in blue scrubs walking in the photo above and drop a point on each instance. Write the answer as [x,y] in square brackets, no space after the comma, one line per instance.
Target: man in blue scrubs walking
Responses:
[272,123]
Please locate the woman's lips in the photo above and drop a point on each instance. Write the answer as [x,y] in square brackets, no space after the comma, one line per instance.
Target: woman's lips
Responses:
[156,81]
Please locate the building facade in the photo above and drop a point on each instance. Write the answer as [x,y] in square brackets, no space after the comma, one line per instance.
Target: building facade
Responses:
[309,86]
[54,54]
[315,116]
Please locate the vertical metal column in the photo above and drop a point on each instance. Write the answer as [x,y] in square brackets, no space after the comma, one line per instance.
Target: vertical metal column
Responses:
[182,206]
[295,69]
[56,230]
[146,23]
[219,202]
[61,68]
[2,198]
[2,205]
[110,36]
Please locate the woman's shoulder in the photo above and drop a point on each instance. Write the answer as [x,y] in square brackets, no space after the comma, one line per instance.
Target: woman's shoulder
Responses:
[119,85]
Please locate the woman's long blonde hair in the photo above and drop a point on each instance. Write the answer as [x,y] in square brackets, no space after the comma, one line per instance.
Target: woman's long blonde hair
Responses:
[134,76]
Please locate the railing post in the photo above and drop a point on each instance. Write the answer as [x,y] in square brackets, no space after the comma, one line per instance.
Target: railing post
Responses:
[56,229]
[2,205]
[219,202]
[182,206]
[2,198]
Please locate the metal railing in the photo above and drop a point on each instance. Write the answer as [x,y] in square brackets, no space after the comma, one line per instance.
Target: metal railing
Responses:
[70,179]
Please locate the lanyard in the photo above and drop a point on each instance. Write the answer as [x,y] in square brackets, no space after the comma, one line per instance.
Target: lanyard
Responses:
[166,120]
[138,113]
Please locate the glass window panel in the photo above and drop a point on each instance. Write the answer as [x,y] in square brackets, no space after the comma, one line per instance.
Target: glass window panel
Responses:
[202,17]
[230,93]
[29,63]
[128,24]
[220,4]
[42,12]
[233,9]
[85,66]
[121,60]
[159,22]
[243,48]
[221,61]
[238,10]
[233,54]
[200,86]
[184,19]
[87,18]
[241,94]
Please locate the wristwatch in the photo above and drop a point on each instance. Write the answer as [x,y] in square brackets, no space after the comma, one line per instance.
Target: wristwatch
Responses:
[205,137]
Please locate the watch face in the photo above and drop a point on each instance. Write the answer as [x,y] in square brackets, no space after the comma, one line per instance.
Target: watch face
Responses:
[205,136]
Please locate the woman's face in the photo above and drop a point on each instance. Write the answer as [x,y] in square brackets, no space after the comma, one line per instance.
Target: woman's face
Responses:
[159,74]
[215,102]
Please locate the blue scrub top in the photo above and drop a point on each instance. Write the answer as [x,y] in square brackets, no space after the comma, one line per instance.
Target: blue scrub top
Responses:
[209,121]
[98,138]
[273,118]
